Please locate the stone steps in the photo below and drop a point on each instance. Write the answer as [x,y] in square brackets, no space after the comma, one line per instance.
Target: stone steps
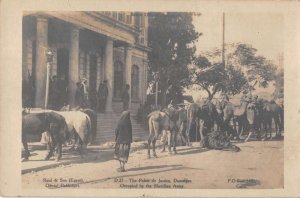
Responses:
[106,124]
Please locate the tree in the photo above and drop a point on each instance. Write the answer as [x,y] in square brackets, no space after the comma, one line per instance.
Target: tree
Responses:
[257,69]
[243,71]
[279,85]
[214,77]
[172,37]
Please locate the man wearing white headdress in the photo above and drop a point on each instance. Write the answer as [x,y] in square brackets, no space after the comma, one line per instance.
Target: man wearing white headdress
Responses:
[86,92]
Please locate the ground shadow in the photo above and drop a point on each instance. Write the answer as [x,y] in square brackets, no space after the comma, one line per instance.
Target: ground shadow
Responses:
[192,150]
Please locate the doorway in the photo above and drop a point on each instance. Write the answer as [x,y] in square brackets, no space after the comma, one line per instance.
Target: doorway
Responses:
[63,64]
[62,76]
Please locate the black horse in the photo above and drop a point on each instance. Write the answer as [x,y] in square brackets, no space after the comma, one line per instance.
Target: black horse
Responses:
[203,115]
[37,123]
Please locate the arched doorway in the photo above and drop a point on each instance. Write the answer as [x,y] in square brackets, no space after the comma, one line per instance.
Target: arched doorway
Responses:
[135,82]
[63,76]
[118,79]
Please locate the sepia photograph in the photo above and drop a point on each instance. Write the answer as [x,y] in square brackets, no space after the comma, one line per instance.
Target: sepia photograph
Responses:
[152,100]
[135,98]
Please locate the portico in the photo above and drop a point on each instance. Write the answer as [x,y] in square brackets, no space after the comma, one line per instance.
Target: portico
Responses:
[86,45]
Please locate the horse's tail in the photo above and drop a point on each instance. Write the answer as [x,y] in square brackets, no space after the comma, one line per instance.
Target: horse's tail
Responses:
[89,129]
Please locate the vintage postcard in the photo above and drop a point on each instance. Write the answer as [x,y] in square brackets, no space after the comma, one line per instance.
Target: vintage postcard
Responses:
[161,99]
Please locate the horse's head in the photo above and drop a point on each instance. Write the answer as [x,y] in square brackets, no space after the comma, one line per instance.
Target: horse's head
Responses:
[56,124]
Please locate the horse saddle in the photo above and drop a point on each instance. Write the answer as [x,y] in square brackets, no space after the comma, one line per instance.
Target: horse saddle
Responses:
[172,113]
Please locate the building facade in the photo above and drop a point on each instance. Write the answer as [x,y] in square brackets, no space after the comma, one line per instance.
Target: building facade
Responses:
[97,46]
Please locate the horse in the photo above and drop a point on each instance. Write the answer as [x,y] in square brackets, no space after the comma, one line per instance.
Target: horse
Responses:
[234,114]
[271,111]
[79,124]
[168,121]
[203,115]
[177,118]
[38,123]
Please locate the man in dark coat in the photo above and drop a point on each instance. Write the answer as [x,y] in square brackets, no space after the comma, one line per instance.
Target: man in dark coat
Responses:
[79,95]
[126,97]
[55,92]
[102,96]
[123,140]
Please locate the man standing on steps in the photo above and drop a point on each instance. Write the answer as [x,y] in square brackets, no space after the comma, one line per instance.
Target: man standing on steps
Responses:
[102,96]
[126,97]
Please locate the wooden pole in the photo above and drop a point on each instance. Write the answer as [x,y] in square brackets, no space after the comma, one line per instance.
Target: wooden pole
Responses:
[47,85]
[223,41]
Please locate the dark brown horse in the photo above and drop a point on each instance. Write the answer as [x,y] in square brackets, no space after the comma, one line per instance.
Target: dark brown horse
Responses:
[37,123]
[203,115]
[272,111]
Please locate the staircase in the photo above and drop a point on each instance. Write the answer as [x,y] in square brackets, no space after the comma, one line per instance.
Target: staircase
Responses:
[106,124]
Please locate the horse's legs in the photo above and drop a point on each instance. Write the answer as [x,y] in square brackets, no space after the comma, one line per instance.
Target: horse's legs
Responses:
[59,151]
[241,127]
[187,132]
[164,134]
[25,145]
[234,128]
[250,132]
[174,140]
[277,125]
[201,127]
[169,136]
[153,149]
[149,144]
[51,146]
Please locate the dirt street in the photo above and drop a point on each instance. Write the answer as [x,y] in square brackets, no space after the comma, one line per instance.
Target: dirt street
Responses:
[259,164]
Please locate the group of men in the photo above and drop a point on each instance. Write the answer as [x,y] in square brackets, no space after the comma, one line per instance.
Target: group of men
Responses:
[97,101]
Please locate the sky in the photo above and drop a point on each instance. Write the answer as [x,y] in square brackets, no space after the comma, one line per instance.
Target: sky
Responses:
[264,31]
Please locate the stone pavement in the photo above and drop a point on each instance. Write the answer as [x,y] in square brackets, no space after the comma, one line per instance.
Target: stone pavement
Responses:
[38,151]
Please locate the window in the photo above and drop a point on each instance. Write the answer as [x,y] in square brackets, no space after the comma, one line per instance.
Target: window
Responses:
[121,16]
[128,19]
[137,21]
[135,82]
[118,79]
[115,15]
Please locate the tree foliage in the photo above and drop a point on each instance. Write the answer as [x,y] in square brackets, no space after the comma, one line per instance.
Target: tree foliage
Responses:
[279,84]
[172,37]
[244,70]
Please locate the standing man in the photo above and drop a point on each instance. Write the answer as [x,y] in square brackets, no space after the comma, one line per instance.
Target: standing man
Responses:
[63,95]
[126,97]
[79,95]
[102,96]
[54,92]
[169,94]
[86,93]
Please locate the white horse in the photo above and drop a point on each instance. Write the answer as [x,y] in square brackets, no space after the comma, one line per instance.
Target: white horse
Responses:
[78,122]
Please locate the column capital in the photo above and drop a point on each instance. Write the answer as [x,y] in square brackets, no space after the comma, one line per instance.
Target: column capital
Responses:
[129,47]
[42,19]
[76,28]
[109,40]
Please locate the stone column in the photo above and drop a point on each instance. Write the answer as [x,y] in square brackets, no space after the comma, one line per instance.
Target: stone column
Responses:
[41,61]
[109,72]
[128,66]
[73,64]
